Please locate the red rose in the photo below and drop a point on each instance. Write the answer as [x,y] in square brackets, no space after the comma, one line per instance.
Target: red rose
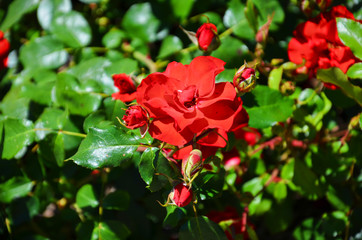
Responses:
[249,134]
[4,51]
[184,102]
[127,89]
[181,195]
[207,37]
[135,117]
[317,42]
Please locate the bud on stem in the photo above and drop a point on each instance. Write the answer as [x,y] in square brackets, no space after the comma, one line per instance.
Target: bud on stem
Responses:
[244,79]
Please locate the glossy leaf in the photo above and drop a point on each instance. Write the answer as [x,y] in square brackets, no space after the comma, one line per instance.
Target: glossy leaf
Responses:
[355,71]
[59,152]
[139,22]
[337,77]
[109,230]
[86,197]
[71,28]
[201,228]
[14,188]
[270,107]
[350,33]
[18,135]
[48,8]
[113,38]
[170,45]
[105,148]
[44,52]
[275,78]
[16,10]
[146,166]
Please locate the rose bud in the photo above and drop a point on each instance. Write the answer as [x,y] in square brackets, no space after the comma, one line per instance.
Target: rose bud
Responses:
[127,89]
[4,51]
[244,79]
[135,117]
[207,37]
[181,195]
[192,163]
[324,4]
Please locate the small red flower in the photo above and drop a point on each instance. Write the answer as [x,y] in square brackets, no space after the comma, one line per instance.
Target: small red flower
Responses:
[181,195]
[207,37]
[127,89]
[135,117]
[192,163]
[249,134]
[317,43]
[4,51]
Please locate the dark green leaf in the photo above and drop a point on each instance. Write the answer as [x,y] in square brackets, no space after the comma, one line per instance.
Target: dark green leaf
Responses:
[93,120]
[146,167]
[71,28]
[350,33]
[181,9]
[48,8]
[110,230]
[14,188]
[16,10]
[355,71]
[231,51]
[170,45]
[39,93]
[337,77]
[173,217]
[58,149]
[118,200]
[86,197]
[106,147]
[51,118]
[201,228]
[271,107]
[140,22]
[270,8]
[18,135]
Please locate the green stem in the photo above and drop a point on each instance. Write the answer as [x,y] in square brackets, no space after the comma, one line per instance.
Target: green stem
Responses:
[61,131]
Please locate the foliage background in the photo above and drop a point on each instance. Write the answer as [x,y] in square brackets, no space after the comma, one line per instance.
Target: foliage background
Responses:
[56,92]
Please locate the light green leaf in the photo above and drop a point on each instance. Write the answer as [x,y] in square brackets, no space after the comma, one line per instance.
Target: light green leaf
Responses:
[271,107]
[71,28]
[170,45]
[181,9]
[113,38]
[139,22]
[18,135]
[48,8]
[106,147]
[350,33]
[16,10]
[14,188]
[275,78]
[201,228]
[44,52]
[355,71]
[337,77]
[86,197]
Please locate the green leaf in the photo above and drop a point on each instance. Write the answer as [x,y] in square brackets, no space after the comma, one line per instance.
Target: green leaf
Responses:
[118,200]
[44,52]
[201,228]
[170,45]
[14,188]
[71,28]
[18,135]
[86,197]
[173,217]
[110,230]
[48,8]
[280,191]
[125,65]
[113,38]
[337,77]
[275,78]
[355,71]
[69,95]
[58,149]
[350,33]
[231,51]
[235,17]
[146,167]
[93,120]
[39,93]
[269,108]
[181,9]
[16,10]
[106,147]
[139,22]
[269,8]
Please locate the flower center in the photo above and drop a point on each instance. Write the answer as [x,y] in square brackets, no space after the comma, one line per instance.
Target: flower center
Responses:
[188,96]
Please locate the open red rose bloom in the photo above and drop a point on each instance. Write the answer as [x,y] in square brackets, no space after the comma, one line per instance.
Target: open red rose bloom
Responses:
[317,41]
[185,102]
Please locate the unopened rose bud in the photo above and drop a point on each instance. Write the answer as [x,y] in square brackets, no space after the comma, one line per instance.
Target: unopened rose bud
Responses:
[4,50]
[126,86]
[207,37]
[287,88]
[192,163]
[181,195]
[244,79]
[135,117]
